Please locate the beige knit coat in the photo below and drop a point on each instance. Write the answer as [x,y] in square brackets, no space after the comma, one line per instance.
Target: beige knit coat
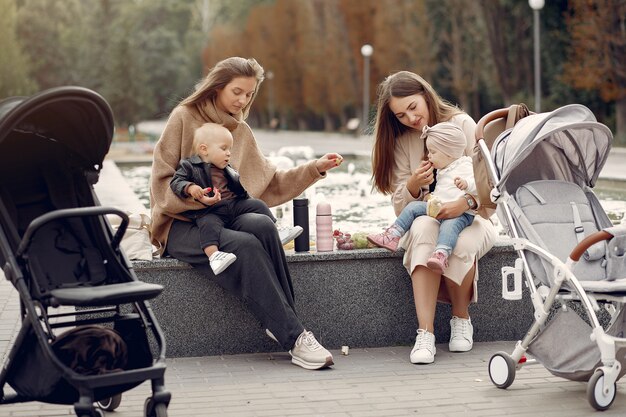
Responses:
[474,241]
[259,176]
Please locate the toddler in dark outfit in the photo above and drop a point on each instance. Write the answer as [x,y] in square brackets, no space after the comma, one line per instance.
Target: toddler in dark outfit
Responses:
[208,178]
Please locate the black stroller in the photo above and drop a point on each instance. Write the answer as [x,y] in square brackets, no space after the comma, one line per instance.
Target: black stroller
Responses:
[58,250]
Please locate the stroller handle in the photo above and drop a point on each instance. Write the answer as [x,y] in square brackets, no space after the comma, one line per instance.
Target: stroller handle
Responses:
[489,117]
[40,221]
[586,243]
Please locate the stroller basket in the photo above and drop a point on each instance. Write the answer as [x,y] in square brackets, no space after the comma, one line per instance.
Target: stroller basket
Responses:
[39,379]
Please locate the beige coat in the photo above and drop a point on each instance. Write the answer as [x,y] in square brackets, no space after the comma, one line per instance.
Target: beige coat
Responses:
[474,241]
[258,175]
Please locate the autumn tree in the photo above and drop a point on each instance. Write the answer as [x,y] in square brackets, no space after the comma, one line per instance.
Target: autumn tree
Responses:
[508,27]
[597,54]
[459,36]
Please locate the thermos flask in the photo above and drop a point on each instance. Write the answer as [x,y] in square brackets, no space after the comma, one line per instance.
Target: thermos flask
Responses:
[324,227]
[301,218]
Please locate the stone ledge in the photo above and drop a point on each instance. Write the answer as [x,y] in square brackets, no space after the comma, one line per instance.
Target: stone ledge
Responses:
[360,298]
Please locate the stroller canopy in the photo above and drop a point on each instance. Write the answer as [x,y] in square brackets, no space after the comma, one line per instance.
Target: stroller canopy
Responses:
[75,117]
[566,144]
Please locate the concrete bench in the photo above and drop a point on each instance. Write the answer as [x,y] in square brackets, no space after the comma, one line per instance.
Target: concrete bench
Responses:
[359,298]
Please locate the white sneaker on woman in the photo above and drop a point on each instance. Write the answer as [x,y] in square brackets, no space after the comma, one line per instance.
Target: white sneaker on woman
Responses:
[309,354]
[461,335]
[424,350]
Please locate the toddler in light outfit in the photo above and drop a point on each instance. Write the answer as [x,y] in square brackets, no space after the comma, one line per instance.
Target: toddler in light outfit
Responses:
[455,177]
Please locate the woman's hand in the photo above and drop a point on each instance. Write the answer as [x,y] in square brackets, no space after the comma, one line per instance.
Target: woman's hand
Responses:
[328,162]
[452,209]
[422,176]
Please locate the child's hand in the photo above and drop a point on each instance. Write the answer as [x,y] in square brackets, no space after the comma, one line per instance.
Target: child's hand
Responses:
[460,183]
[195,191]
[209,201]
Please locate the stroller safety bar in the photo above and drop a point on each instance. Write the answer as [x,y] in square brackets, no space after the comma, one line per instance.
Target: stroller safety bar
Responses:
[489,117]
[40,221]
[587,242]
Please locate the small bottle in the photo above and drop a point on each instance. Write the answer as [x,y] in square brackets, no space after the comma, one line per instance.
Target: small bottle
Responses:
[324,227]
[301,218]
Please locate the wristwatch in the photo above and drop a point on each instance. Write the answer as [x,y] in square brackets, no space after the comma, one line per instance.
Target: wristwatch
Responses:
[470,201]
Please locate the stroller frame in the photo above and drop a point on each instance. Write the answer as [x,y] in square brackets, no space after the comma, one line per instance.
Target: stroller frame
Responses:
[565,286]
[54,123]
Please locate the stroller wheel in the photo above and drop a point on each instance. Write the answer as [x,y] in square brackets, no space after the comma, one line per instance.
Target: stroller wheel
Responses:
[95,413]
[599,399]
[502,370]
[111,403]
[150,409]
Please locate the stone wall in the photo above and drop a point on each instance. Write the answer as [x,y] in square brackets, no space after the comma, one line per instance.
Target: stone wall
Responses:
[360,298]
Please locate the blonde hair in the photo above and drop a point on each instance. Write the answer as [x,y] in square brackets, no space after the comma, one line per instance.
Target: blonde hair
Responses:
[223,73]
[207,132]
[387,127]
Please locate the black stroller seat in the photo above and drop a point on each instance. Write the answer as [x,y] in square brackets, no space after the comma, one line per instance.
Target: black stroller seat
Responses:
[58,249]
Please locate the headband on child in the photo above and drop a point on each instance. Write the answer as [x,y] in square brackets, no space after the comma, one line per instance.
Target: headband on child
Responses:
[445,137]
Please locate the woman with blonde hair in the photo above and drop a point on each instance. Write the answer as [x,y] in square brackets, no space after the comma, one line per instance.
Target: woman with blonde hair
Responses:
[260,276]
[407,103]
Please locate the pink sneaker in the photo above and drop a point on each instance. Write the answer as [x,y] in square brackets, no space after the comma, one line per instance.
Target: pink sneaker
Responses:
[385,240]
[438,262]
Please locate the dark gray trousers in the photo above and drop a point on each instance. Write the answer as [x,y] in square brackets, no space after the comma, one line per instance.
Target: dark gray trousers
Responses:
[259,276]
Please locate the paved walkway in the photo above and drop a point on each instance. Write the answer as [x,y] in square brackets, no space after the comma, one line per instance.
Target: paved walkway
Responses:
[367,382]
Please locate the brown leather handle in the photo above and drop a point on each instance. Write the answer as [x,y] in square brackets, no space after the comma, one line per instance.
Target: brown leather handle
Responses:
[586,243]
[489,117]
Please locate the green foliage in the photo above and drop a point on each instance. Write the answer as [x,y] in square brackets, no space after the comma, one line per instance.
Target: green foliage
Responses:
[144,56]
[14,79]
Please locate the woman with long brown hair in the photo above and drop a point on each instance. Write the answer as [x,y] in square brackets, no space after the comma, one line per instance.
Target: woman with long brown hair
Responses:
[260,276]
[407,103]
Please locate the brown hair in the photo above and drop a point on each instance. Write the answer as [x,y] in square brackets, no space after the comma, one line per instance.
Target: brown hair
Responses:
[223,73]
[387,127]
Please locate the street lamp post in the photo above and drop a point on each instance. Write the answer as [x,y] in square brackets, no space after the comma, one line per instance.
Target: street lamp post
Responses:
[270,97]
[367,51]
[537,5]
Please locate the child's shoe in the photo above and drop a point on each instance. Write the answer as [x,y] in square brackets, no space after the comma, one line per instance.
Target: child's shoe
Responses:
[219,261]
[386,239]
[287,233]
[438,262]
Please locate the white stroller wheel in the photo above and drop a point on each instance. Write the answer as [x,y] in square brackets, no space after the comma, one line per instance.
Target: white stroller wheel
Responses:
[502,370]
[599,399]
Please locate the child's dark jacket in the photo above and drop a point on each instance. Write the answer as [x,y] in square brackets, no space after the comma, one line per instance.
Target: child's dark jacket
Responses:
[194,170]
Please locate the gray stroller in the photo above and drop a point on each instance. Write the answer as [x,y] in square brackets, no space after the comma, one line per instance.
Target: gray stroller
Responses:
[542,171]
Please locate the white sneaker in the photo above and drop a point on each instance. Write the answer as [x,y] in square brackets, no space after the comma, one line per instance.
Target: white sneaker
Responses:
[424,350]
[461,334]
[219,261]
[287,233]
[309,354]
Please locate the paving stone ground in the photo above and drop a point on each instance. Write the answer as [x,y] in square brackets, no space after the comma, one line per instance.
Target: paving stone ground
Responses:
[367,382]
